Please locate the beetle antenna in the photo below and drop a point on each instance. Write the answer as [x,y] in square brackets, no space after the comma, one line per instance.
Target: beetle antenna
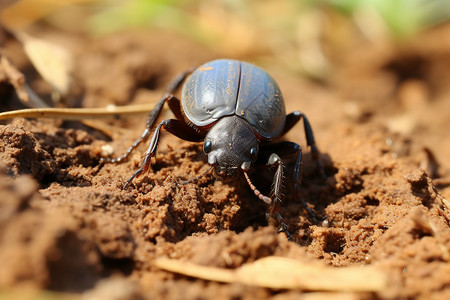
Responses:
[266,199]
[183,182]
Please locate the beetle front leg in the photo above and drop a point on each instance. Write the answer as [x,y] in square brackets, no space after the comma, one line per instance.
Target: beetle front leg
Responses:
[144,136]
[297,178]
[289,148]
[291,120]
[174,105]
[274,210]
[178,128]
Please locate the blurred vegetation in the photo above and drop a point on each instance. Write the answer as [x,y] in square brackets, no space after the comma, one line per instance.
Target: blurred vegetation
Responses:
[305,36]
[403,18]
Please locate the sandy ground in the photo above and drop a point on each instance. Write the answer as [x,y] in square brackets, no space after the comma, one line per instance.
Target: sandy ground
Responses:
[67,225]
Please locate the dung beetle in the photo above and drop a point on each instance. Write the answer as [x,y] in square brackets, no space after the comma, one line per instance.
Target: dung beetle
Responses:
[238,110]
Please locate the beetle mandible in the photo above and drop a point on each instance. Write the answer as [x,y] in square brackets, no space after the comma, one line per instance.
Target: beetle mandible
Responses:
[238,110]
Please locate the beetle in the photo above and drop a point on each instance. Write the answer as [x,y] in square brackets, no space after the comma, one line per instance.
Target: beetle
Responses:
[238,111]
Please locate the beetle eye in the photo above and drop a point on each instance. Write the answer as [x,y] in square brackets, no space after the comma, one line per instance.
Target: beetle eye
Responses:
[253,154]
[207,147]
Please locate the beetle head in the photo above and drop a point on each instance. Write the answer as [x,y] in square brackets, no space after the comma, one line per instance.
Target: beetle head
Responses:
[231,145]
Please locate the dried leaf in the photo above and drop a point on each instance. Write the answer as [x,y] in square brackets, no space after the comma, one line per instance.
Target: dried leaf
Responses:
[329,296]
[285,273]
[52,61]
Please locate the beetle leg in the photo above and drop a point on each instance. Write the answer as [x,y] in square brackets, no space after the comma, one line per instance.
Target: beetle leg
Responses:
[274,210]
[291,120]
[145,135]
[178,128]
[286,148]
[174,105]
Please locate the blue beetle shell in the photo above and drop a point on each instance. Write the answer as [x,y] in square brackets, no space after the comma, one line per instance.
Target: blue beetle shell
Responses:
[225,87]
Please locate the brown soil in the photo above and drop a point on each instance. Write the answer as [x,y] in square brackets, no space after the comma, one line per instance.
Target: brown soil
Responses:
[381,125]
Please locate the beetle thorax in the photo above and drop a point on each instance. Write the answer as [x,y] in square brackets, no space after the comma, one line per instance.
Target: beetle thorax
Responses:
[231,145]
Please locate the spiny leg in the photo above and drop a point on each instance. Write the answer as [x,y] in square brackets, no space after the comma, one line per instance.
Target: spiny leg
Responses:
[291,120]
[178,128]
[277,184]
[288,148]
[274,207]
[174,105]
[144,136]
